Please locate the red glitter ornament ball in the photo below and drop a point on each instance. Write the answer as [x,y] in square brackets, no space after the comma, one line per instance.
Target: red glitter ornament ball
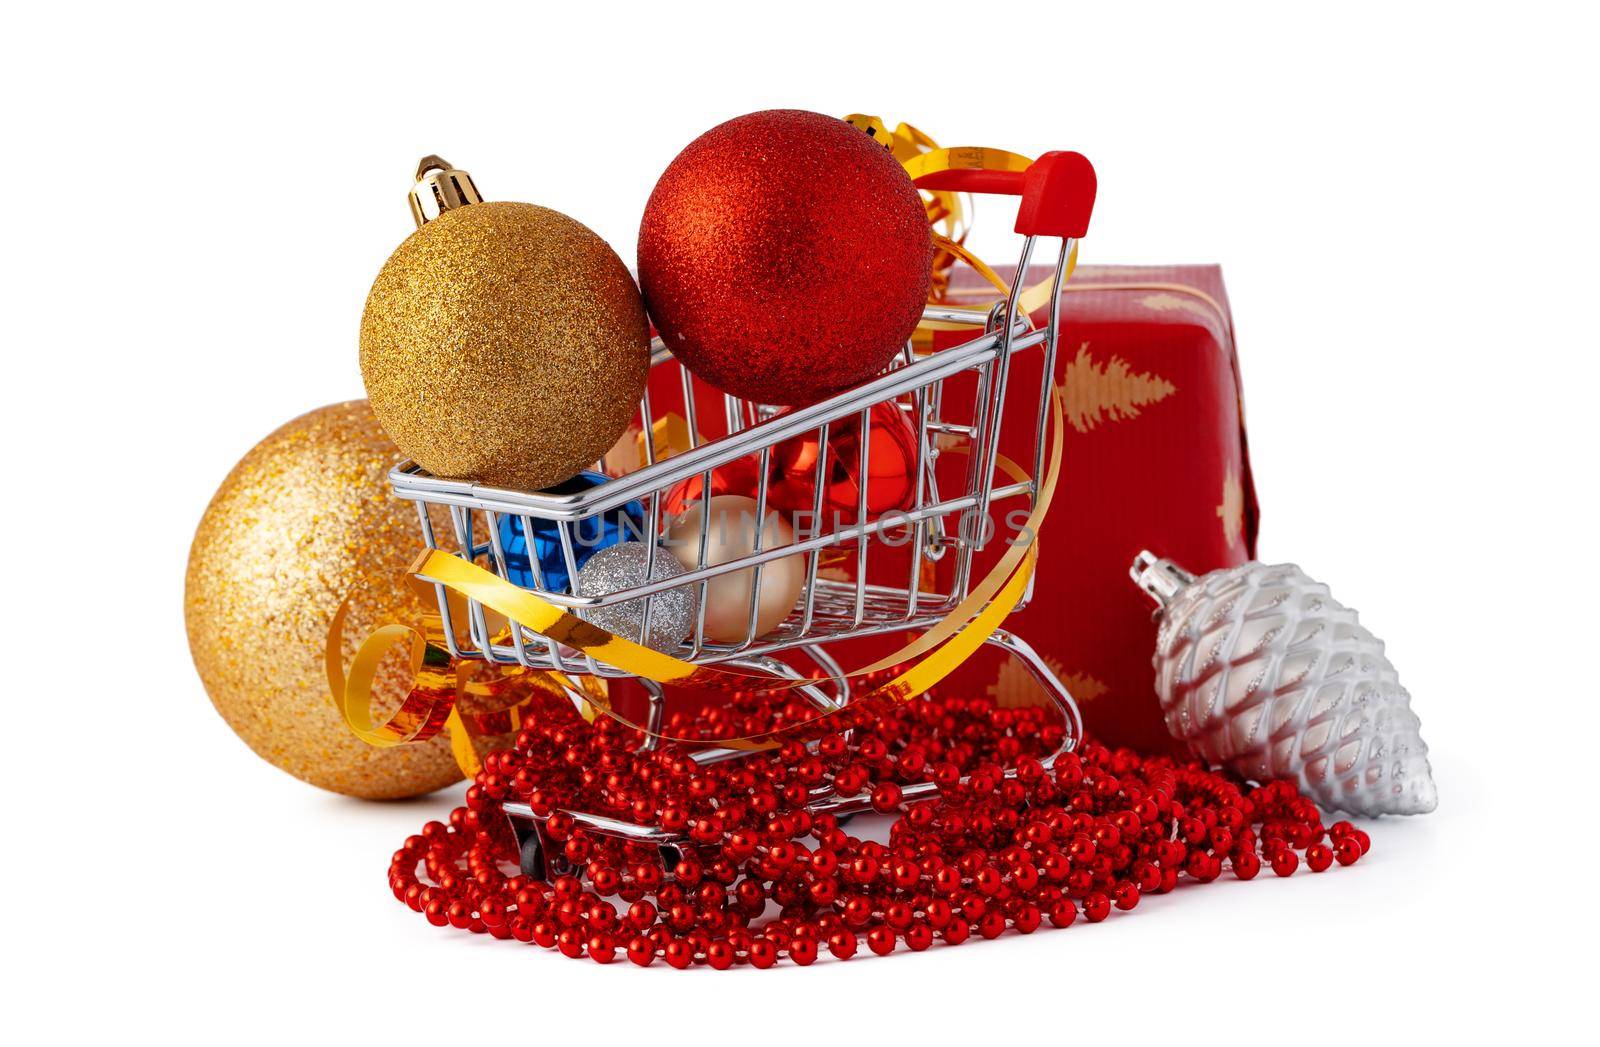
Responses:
[785,256]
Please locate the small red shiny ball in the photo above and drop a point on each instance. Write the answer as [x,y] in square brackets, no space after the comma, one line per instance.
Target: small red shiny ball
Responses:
[719,954]
[1347,851]
[803,951]
[918,937]
[739,476]
[842,944]
[1318,858]
[678,953]
[1246,865]
[1285,862]
[763,953]
[886,797]
[888,483]
[1096,907]
[642,950]
[785,256]
[881,940]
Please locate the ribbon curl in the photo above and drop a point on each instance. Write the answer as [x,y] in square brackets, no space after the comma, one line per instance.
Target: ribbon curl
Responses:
[920,155]
[470,700]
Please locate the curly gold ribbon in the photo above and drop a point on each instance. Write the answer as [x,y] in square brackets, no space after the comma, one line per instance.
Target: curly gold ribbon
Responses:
[944,207]
[442,688]
[920,155]
[426,708]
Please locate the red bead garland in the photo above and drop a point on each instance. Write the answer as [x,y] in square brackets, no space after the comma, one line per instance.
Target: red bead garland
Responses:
[991,852]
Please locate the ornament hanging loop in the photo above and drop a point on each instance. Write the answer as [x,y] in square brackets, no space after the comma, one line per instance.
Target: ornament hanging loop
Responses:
[1160,579]
[439,188]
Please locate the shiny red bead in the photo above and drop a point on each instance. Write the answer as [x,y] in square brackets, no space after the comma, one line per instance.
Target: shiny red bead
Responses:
[842,944]
[803,951]
[641,950]
[763,953]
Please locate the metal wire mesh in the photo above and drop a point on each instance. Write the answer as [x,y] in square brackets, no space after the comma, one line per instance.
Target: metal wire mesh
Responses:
[837,599]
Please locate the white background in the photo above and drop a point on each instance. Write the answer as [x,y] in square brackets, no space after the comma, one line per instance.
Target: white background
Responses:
[1402,200]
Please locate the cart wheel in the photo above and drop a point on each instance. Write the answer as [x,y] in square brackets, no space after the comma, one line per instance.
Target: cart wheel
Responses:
[532,857]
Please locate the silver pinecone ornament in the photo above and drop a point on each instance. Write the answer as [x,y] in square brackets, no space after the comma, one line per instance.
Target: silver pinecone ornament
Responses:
[1261,670]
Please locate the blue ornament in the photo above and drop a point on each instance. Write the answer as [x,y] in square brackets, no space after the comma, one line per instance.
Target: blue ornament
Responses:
[589,536]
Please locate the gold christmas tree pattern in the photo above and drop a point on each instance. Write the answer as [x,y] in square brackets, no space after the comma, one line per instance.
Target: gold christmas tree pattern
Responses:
[1260,669]
[1111,391]
[1015,687]
[1231,509]
[1166,302]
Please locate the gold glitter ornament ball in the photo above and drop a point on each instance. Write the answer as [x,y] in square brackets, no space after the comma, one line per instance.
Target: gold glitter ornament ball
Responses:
[304,519]
[504,343]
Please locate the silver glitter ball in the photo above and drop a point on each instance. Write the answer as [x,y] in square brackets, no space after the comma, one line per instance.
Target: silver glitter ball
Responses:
[618,567]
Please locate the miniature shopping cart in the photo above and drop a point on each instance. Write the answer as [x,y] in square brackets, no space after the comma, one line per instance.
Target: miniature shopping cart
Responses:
[941,525]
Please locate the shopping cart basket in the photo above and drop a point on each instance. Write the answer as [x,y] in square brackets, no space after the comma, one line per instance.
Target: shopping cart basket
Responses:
[939,525]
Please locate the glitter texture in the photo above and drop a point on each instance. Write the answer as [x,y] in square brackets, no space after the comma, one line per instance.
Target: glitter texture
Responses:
[305,518]
[504,343]
[785,256]
[672,613]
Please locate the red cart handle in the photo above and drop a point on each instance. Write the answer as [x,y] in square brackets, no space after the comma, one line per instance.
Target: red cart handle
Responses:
[1057,192]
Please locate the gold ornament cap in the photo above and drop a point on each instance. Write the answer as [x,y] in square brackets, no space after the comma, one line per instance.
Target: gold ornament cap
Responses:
[439,188]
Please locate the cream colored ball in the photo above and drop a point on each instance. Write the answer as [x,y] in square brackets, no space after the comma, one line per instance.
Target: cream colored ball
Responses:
[732,535]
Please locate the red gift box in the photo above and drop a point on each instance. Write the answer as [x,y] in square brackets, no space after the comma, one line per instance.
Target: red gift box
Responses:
[1155,458]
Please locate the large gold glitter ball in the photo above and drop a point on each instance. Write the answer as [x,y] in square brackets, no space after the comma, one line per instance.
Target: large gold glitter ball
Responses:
[504,343]
[303,520]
